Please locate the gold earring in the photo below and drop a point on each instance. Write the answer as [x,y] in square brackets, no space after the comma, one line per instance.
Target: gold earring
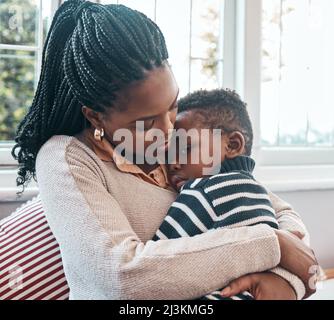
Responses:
[99,134]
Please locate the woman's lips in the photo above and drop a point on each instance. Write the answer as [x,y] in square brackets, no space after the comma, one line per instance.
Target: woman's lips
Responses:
[177,181]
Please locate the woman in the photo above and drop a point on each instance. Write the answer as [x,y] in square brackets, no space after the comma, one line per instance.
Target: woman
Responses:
[105,68]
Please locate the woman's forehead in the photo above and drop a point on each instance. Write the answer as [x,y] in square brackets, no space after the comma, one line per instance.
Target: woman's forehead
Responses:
[152,96]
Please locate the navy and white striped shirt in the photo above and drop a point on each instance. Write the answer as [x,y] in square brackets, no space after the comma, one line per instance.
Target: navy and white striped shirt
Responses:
[230,199]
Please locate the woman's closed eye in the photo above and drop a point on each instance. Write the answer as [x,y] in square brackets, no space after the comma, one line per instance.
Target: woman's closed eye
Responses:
[174,107]
[148,124]
[142,125]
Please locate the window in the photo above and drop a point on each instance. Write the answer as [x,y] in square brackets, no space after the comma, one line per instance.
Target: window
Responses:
[23,25]
[285,73]
[297,73]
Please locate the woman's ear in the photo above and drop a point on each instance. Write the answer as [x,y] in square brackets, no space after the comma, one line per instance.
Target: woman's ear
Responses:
[235,145]
[94,117]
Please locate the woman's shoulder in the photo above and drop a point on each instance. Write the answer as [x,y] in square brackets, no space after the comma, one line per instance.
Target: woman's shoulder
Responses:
[57,142]
[64,149]
[65,145]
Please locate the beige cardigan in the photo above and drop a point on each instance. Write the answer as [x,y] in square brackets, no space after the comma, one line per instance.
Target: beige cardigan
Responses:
[104,220]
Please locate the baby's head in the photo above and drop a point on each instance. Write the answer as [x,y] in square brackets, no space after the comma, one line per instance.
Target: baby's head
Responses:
[216,109]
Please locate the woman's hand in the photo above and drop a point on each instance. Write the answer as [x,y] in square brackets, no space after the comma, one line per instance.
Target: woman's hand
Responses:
[298,258]
[262,286]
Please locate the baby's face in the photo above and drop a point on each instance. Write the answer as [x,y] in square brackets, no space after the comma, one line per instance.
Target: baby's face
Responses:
[180,172]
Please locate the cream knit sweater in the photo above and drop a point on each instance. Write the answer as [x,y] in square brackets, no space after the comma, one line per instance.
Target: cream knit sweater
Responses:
[104,221]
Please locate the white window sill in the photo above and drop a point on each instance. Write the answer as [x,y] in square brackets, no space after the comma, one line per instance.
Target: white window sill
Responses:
[296,178]
[10,194]
[8,188]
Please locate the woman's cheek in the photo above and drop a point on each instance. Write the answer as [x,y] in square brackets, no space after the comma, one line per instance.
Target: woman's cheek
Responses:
[172,117]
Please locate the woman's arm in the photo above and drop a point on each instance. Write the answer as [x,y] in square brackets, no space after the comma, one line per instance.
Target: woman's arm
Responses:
[296,284]
[289,220]
[105,259]
[265,285]
[296,257]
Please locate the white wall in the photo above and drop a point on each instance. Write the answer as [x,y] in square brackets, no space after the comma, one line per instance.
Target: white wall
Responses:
[316,209]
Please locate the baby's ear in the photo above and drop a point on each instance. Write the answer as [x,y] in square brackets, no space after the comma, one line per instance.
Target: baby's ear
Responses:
[235,144]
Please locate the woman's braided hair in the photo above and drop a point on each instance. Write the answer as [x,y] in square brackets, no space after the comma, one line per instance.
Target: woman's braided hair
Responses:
[92,51]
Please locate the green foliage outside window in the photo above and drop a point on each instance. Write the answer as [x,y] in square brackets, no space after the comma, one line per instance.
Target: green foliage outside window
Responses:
[18,26]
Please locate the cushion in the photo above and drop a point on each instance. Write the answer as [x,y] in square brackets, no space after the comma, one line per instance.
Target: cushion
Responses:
[30,263]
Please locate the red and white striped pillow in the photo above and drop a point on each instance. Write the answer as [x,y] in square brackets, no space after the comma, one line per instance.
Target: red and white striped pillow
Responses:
[30,263]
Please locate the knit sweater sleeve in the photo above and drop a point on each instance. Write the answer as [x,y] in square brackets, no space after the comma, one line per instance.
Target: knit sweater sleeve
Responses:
[104,258]
[289,220]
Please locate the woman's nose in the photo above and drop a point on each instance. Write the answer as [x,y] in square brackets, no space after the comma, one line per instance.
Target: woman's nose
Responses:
[166,125]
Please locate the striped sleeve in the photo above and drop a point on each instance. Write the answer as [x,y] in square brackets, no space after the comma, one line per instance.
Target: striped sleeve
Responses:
[239,200]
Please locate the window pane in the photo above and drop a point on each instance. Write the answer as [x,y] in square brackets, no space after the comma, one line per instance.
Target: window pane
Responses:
[297,73]
[321,74]
[19,22]
[109,1]
[145,6]
[17,76]
[206,29]
[46,16]
[173,17]
[205,74]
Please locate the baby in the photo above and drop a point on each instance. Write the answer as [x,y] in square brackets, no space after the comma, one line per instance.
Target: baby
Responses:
[230,199]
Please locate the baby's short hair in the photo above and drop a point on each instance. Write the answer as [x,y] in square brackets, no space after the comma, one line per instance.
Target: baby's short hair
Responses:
[220,109]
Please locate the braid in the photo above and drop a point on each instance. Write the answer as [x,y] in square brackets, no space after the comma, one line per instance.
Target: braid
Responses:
[91,52]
